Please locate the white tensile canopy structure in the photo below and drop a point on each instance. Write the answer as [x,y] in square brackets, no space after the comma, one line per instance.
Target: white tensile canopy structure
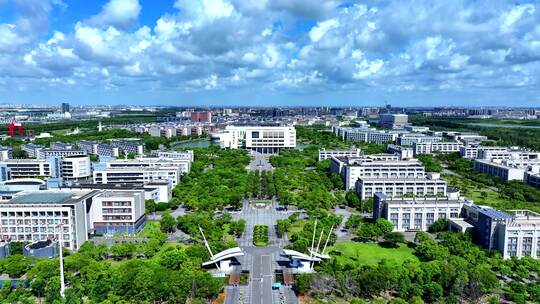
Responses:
[304,263]
[222,259]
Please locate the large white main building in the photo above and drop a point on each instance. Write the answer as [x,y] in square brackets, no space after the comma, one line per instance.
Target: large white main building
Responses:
[263,139]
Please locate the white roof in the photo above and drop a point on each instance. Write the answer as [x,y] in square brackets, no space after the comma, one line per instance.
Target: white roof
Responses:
[225,254]
[300,256]
[319,255]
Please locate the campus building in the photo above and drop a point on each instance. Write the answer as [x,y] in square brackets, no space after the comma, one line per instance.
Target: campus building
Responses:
[76,167]
[402,152]
[70,215]
[470,151]
[117,212]
[520,236]
[31,150]
[532,178]
[436,147]
[507,170]
[32,168]
[410,139]
[429,186]
[6,153]
[58,145]
[327,154]
[351,169]
[263,139]
[128,147]
[185,155]
[416,213]
[202,116]
[47,153]
[137,175]
[393,121]
[511,153]
[183,165]
[45,215]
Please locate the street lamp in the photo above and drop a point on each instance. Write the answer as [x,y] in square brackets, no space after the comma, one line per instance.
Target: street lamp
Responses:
[62,282]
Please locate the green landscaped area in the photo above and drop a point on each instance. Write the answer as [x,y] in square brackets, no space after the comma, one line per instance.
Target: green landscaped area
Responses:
[482,195]
[369,253]
[151,228]
[260,235]
[297,226]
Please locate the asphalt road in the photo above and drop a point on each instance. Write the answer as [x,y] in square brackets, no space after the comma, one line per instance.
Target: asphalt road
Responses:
[261,279]
[261,262]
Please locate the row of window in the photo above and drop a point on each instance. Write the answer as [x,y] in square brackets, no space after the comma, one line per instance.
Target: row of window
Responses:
[34,213]
[40,222]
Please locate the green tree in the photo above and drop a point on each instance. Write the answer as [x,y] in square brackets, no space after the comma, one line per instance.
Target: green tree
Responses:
[150,206]
[394,238]
[439,225]
[432,292]
[238,227]
[383,226]
[302,283]
[421,237]
[16,265]
[167,223]
[429,250]
[282,227]
[367,232]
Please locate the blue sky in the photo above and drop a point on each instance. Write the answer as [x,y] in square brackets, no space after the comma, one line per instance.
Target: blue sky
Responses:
[270,52]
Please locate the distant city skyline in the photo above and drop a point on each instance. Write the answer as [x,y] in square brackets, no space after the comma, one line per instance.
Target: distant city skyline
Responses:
[270,52]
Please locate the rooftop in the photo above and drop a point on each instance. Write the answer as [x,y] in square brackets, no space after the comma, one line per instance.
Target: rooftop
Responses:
[492,213]
[126,193]
[49,197]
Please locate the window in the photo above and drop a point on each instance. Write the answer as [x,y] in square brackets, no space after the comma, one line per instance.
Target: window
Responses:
[526,248]
[512,246]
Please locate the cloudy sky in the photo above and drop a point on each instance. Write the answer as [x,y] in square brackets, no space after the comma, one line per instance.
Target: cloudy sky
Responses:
[270,52]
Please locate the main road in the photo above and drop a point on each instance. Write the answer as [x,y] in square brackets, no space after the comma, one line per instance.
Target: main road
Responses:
[261,262]
[261,279]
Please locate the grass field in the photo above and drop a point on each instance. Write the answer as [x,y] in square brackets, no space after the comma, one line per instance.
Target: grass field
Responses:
[369,253]
[481,195]
[297,226]
[150,229]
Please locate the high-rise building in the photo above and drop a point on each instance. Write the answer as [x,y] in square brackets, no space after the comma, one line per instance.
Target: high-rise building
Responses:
[393,121]
[202,116]
[65,107]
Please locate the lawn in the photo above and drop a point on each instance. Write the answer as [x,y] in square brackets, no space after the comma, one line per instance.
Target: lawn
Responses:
[481,195]
[369,253]
[150,229]
[297,226]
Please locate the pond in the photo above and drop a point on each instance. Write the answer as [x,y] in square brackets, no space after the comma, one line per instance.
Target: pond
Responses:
[193,144]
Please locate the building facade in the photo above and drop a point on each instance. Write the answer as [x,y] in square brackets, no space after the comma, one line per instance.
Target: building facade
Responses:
[351,169]
[403,152]
[366,187]
[327,154]
[436,147]
[393,121]
[263,139]
[415,214]
[117,212]
[46,215]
